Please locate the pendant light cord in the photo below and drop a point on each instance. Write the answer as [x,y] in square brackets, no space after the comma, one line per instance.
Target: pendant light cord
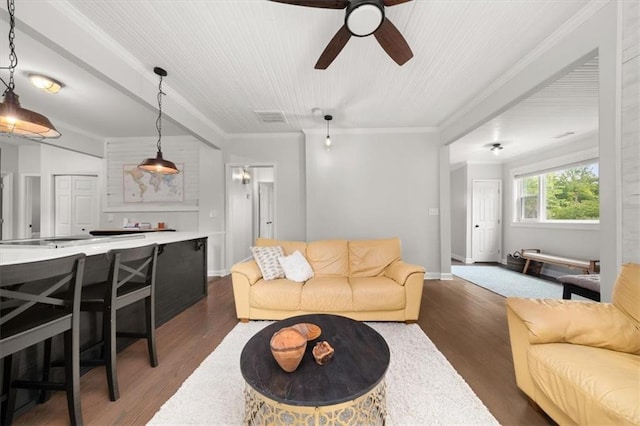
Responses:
[13,58]
[159,119]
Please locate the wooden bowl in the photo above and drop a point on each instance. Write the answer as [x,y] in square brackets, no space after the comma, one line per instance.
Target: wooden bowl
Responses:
[288,346]
[309,330]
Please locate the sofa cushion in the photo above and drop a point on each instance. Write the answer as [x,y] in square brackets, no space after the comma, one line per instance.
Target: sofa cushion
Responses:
[591,385]
[369,258]
[281,295]
[584,323]
[267,260]
[377,294]
[287,246]
[329,258]
[296,268]
[326,294]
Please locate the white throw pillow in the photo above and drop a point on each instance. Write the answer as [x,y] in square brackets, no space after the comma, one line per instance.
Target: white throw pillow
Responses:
[267,260]
[296,268]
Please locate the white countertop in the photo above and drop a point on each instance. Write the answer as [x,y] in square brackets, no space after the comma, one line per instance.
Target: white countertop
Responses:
[12,255]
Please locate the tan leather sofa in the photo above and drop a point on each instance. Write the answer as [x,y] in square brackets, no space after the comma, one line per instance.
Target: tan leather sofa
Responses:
[364,280]
[580,361]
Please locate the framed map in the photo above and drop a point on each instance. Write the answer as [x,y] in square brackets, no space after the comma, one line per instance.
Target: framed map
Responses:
[143,187]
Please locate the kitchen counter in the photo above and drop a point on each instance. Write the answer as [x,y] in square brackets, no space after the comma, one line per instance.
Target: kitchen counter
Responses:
[181,281]
[10,254]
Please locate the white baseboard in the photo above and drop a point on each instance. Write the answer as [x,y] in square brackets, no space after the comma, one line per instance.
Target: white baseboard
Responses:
[432,275]
[465,260]
[217,273]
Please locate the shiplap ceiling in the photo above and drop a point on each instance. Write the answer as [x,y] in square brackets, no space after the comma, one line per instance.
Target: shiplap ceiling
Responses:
[230,58]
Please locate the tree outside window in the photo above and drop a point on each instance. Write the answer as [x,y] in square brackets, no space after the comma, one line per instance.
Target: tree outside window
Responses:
[569,194]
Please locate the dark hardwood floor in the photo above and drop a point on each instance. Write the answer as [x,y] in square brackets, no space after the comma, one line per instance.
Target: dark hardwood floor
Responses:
[466,322]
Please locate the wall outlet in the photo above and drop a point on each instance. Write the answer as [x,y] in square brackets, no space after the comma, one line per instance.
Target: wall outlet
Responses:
[213,214]
[110,217]
[434,211]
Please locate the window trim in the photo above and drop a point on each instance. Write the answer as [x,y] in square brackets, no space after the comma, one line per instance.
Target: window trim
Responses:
[540,168]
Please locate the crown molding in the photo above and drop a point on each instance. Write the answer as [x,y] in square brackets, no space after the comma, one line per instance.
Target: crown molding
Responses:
[373,131]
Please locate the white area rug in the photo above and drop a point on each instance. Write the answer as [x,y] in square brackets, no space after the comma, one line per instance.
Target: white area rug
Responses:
[422,387]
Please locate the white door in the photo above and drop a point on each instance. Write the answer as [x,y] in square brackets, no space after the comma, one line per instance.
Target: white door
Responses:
[265,209]
[76,204]
[487,220]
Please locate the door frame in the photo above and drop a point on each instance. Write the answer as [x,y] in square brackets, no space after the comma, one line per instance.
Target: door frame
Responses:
[472,219]
[228,179]
[7,204]
[24,198]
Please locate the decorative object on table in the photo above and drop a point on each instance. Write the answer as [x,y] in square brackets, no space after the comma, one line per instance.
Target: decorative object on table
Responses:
[15,120]
[288,346]
[308,330]
[323,352]
[158,164]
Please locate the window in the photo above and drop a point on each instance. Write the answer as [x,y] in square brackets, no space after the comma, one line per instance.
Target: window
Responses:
[567,194]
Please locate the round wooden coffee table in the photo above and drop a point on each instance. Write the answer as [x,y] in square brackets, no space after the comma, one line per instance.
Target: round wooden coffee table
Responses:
[348,390]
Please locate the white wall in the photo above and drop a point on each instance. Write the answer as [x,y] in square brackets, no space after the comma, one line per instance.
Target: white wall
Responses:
[376,185]
[459,214]
[598,32]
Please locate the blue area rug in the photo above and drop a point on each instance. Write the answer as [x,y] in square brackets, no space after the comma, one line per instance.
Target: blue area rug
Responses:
[508,283]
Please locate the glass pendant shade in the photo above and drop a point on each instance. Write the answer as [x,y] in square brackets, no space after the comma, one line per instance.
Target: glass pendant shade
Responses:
[159,165]
[15,120]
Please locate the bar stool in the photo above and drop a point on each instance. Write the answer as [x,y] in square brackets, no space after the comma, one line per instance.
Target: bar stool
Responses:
[39,300]
[132,276]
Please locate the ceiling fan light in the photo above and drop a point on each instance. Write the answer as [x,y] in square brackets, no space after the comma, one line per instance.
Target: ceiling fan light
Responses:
[496,148]
[18,121]
[44,83]
[159,165]
[364,19]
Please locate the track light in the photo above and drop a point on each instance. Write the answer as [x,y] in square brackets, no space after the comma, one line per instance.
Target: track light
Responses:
[327,141]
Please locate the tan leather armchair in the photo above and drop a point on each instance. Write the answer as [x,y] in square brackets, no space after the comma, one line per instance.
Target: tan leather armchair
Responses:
[580,361]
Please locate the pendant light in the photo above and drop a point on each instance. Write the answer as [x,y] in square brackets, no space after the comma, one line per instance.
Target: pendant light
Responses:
[15,120]
[158,164]
[327,141]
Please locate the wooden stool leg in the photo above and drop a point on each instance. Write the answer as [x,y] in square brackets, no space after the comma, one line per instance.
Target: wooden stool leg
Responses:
[109,333]
[151,330]
[46,369]
[72,375]
[12,366]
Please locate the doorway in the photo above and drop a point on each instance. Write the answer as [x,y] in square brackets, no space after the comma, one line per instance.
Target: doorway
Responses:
[30,210]
[251,207]
[486,234]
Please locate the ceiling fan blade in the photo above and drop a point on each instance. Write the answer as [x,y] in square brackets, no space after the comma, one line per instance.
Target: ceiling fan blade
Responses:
[393,42]
[334,47]
[324,4]
[394,2]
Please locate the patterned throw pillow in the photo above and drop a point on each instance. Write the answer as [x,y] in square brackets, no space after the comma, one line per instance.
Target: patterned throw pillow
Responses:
[267,260]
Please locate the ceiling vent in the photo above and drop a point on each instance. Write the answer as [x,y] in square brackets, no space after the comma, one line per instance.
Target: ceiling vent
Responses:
[271,116]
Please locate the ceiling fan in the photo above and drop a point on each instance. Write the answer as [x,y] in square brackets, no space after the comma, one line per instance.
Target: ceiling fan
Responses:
[363,18]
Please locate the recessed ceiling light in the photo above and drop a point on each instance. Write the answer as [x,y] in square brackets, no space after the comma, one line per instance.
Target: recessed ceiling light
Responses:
[45,83]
